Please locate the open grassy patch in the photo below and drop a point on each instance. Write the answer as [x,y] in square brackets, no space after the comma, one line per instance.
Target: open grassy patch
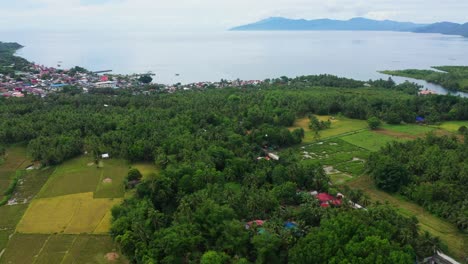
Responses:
[447,232]
[146,169]
[370,140]
[72,177]
[80,175]
[70,214]
[452,126]
[339,126]
[111,181]
[23,248]
[410,129]
[340,178]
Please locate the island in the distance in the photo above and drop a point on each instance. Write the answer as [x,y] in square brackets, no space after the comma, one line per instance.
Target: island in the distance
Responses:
[354,24]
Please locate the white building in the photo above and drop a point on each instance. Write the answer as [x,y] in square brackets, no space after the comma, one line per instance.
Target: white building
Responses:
[273,156]
[107,84]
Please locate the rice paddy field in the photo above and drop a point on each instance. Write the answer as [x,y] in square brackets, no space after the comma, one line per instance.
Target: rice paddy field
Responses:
[15,159]
[49,249]
[68,214]
[61,214]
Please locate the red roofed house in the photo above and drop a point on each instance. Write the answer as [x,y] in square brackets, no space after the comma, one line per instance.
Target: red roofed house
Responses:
[254,222]
[327,199]
[104,78]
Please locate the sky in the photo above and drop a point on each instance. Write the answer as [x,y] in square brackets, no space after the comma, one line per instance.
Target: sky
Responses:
[207,15]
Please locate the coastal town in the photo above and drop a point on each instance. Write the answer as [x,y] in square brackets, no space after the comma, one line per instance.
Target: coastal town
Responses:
[41,81]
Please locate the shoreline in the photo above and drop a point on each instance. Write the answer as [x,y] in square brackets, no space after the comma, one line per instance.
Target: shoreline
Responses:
[108,79]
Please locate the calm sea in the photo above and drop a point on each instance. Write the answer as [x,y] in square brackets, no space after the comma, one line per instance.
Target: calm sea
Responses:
[191,57]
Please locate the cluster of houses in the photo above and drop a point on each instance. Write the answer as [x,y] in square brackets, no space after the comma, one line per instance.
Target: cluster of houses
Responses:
[204,85]
[427,92]
[41,80]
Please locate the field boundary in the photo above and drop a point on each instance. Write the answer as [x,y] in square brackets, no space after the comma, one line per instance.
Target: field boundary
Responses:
[42,248]
[337,136]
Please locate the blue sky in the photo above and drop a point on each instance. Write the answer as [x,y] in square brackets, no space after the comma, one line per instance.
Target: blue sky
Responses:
[187,15]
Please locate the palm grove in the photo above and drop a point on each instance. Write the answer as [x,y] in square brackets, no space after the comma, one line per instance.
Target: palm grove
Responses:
[211,183]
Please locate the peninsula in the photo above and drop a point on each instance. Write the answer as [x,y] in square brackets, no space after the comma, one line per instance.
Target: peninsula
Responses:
[354,24]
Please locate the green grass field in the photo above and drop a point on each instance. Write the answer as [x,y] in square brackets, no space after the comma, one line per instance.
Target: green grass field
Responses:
[410,129]
[146,169]
[14,159]
[338,127]
[115,172]
[60,249]
[80,175]
[370,140]
[452,126]
[447,232]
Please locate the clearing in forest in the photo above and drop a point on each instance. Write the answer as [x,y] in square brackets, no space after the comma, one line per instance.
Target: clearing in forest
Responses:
[146,168]
[339,126]
[370,140]
[341,160]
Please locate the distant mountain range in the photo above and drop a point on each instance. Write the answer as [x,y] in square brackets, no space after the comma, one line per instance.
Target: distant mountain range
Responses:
[446,28]
[354,24]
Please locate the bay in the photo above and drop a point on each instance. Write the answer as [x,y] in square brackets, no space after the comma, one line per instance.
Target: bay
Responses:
[210,56]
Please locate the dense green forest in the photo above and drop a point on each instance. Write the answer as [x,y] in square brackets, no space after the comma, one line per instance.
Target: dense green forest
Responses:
[450,77]
[157,127]
[211,183]
[433,172]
